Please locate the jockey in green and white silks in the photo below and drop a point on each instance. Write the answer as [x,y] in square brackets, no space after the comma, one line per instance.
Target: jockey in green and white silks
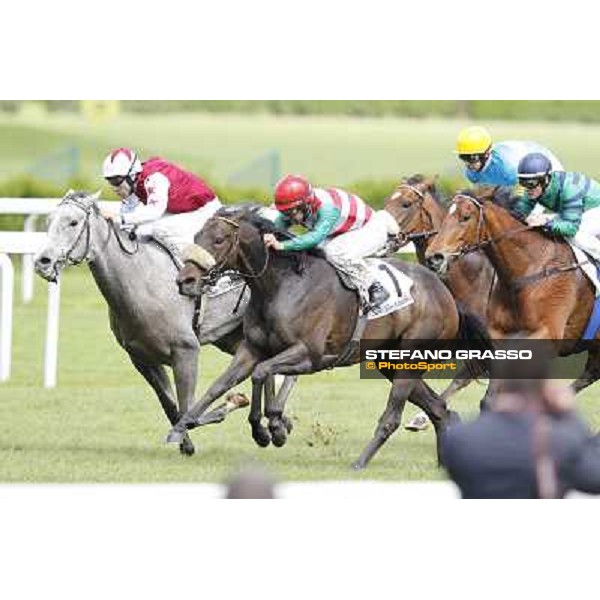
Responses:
[574,198]
[338,222]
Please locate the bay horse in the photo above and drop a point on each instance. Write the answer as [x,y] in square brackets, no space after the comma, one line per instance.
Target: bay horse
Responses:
[542,293]
[417,207]
[300,320]
[148,317]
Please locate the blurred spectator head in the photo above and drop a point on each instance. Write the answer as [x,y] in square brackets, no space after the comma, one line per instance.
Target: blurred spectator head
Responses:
[251,482]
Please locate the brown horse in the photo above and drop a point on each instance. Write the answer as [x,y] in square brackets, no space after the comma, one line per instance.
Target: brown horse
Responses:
[541,294]
[300,320]
[417,208]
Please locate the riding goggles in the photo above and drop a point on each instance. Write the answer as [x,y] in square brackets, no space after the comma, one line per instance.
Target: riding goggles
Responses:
[472,158]
[116,181]
[531,182]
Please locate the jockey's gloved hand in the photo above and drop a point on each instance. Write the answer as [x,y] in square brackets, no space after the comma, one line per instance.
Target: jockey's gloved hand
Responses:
[548,229]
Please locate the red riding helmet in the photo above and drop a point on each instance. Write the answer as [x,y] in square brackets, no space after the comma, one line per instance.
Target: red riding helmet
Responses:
[292,191]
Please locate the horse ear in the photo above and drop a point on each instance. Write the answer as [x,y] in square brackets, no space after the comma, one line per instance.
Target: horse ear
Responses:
[96,195]
[428,183]
[69,192]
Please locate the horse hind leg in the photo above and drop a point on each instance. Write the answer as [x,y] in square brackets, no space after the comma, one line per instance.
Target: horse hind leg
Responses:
[435,408]
[157,378]
[388,422]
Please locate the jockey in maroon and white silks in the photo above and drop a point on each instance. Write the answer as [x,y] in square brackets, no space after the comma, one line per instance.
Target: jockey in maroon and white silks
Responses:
[159,198]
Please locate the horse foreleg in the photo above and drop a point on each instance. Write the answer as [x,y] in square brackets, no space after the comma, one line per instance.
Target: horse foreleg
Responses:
[185,375]
[239,369]
[295,360]
[280,401]
[389,420]
[259,432]
[157,378]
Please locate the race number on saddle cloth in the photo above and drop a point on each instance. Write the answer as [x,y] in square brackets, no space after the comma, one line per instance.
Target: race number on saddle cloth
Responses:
[159,198]
[342,225]
[396,283]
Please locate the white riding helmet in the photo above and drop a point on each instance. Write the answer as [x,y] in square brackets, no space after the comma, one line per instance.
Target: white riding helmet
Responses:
[121,162]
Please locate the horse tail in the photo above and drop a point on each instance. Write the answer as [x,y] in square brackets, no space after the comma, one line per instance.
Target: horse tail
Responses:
[472,331]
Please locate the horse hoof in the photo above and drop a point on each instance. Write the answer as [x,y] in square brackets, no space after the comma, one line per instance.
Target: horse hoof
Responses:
[288,424]
[418,423]
[278,437]
[186,448]
[175,437]
[261,437]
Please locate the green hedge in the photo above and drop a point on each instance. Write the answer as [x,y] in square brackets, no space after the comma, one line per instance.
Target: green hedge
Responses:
[373,191]
[562,110]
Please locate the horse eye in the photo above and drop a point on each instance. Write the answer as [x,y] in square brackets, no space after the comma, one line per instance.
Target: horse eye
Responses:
[72,223]
[219,240]
[406,205]
[464,218]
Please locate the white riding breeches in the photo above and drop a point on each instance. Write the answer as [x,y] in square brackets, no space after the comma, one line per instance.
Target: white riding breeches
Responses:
[589,230]
[179,229]
[347,251]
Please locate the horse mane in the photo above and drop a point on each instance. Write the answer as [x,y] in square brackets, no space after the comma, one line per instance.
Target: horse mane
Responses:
[82,198]
[251,213]
[499,195]
[503,197]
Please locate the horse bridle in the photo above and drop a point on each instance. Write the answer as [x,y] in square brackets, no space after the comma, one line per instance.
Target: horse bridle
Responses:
[66,258]
[521,281]
[405,238]
[479,244]
[218,270]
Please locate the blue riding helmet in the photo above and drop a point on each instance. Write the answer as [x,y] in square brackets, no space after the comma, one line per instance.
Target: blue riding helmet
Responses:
[534,169]
[534,165]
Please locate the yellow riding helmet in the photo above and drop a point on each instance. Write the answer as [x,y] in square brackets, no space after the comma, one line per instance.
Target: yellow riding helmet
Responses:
[473,140]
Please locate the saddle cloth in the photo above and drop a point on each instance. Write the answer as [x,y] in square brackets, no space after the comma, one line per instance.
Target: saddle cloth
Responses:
[397,284]
[226,283]
[589,267]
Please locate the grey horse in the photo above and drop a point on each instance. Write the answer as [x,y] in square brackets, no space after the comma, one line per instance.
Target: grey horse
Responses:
[149,318]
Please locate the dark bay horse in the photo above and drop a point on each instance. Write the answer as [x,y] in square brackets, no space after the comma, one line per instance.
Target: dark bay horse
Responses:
[148,317]
[300,320]
[541,293]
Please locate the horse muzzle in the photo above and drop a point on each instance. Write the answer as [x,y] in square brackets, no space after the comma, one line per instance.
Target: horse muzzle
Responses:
[47,268]
[188,282]
[438,263]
